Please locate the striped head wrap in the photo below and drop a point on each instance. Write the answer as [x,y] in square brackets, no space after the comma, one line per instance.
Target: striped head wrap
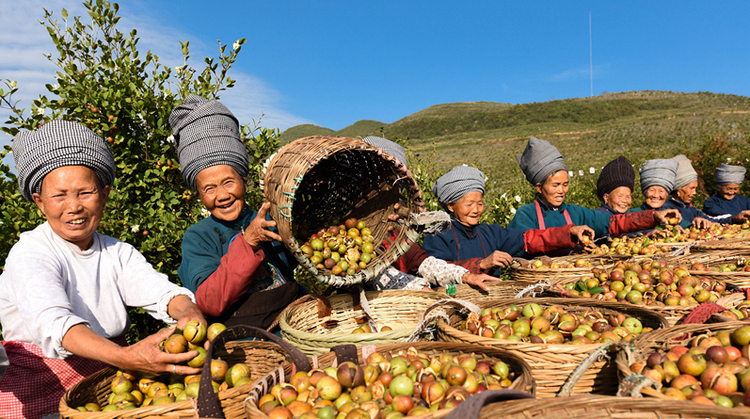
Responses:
[57,144]
[659,172]
[453,185]
[206,134]
[393,149]
[726,174]
[685,172]
[539,160]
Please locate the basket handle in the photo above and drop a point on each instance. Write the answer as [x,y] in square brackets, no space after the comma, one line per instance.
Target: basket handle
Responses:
[598,354]
[208,403]
[470,408]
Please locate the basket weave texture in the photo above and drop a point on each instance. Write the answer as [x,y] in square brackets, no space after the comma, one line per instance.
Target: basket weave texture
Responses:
[737,245]
[523,382]
[553,364]
[314,335]
[313,180]
[528,274]
[262,357]
[499,289]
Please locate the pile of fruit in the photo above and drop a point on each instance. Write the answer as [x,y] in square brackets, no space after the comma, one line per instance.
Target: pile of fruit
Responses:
[548,263]
[389,386]
[739,266]
[131,389]
[712,370]
[552,325]
[648,282]
[343,249]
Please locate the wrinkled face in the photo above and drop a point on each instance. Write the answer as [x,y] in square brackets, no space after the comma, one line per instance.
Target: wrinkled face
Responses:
[656,196]
[73,202]
[468,209]
[554,189]
[729,190]
[619,199]
[687,192]
[222,191]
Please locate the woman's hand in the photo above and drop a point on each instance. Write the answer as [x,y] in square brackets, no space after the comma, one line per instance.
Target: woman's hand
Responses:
[701,222]
[497,259]
[584,235]
[663,216]
[146,356]
[259,230]
[477,280]
[741,217]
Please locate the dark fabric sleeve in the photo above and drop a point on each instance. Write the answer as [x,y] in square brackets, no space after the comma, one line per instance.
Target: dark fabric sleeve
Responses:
[630,222]
[712,207]
[409,262]
[598,221]
[231,279]
[549,240]
[441,245]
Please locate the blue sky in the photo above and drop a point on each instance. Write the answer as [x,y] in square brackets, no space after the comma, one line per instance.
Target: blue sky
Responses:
[333,63]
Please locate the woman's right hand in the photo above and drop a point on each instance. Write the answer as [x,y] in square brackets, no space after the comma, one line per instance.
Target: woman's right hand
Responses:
[497,259]
[146,356]
[259,230]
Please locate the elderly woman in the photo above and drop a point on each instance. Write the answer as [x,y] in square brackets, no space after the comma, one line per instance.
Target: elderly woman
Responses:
[416,269]
[233,260]
[484,247]
[615,186]
[657,182]
[544,168]
[685,188]
[726,201]
[66,288]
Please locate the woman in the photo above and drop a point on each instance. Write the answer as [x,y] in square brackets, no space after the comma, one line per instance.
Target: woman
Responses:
[685,188]
[544,168]
[657,181]
[66,288]
[615,186]
[416,269]
[726,201]
[484,247]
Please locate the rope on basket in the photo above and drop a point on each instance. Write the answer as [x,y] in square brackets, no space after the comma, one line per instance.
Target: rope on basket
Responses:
[599,354]
[534,289]
[427,323]
[366,308]
[439,220]
[634,383]
[684,250]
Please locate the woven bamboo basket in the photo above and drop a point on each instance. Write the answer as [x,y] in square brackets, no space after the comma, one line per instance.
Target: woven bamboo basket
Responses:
[315,327]
[315,179]
[261,356]
[523,381]
[662,341]
[553,364]
[499,289]
[737,245]
[601,407]
[715,259]
[528,274]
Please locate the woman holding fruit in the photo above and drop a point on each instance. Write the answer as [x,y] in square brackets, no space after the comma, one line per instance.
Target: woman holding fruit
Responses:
[66,288]
[233,260]
[544,168]
[727,200]
[480,247]
[685,188]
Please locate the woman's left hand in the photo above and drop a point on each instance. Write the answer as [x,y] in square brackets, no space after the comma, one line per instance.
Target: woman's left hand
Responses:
[477,280]
[663,216]
[701,222]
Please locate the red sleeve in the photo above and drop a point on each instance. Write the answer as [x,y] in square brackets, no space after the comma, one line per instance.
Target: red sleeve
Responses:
[545,241]
[230,280]
[409,262]
[631,222]
[471,264]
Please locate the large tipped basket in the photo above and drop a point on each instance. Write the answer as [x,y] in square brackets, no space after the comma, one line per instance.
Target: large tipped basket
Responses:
[553,365]
[314,180]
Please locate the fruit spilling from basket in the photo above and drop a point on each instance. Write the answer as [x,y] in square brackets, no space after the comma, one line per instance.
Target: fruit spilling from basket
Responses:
[342,249]
[647,282]
[390,385]
[711,370]
[739,266]
[536,324]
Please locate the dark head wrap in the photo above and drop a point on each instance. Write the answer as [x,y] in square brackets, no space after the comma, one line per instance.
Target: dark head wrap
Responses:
[685,172]
[207,134]
[453,185]
[659,172]
[393,149]
[539,160]
[726,174]
[619,172]
[57,144]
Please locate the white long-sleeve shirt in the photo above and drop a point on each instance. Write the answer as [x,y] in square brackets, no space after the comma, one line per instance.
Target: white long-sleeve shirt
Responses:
[50,285]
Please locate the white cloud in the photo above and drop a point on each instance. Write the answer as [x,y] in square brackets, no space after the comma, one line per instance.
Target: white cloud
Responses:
[580,73]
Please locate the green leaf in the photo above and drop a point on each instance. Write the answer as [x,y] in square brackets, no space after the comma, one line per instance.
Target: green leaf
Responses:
[581,286]
[596,290]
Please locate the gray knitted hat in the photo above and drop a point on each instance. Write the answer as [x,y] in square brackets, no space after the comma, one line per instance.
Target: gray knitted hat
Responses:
[393,149]
[685,173]
[57,144]
[659,172]
[539,160]
[453,185]
[206,134]
[726,174]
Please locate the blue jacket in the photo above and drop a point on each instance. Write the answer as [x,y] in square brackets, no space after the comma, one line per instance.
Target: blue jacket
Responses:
[717,205]
[688,212]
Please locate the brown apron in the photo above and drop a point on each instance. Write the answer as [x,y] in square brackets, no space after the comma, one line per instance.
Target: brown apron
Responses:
[259,309]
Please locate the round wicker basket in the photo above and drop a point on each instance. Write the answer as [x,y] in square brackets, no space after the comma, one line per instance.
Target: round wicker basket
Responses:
[313,180]
[553,364]
[499,289]
[313,330]
[523,381]
[714,259]
[737,245]
[519,272]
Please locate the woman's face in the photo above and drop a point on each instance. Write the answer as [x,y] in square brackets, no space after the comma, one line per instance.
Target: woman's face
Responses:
[553,190]
[468,209]
[729,191]
[687,192]
[619,199]
[222,191]
[73,202]
[656,196]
